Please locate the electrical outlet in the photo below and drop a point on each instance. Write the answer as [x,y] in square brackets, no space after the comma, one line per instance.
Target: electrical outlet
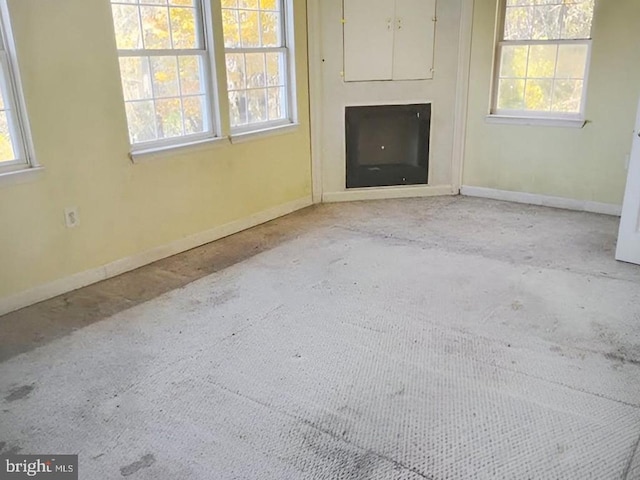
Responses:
[71,217]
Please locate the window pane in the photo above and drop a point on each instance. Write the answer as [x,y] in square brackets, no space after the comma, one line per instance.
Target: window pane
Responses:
[155,26]
[518,23]
[572,61]
[275,69]
[270,4]
[127,27]
[546,22]
[230,28]
[7,152]
[238,108]
[252,4]
[257,82]
[169,116]
[141,119]
[578,18]
[537,95]
[236,78]
[255,70]
[548,19]
[194,117]
[542,61]
[166,96]
[567,96]
[513,62]
[257,105]
[270,22]
[183,28]
[276,99]
[136,78]
[191,75]
[511,94]
[165,76]
[249,28]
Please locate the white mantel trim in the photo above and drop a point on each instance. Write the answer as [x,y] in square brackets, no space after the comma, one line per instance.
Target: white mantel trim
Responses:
[381,193]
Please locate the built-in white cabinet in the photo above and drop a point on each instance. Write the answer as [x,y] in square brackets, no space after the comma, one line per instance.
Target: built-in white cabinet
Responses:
[388,39]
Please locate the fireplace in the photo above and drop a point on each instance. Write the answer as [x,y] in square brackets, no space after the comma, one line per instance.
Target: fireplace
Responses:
[387,145]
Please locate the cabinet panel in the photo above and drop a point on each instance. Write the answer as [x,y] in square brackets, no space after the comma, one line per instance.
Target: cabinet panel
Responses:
[414,39]
[368,40]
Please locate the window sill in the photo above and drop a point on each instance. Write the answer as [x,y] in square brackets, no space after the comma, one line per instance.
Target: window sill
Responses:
[20,175]
[535,121]
[241,137]
[149,154]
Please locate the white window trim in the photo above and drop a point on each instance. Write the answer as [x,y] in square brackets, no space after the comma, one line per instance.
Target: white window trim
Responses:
[527,117]
[142,156]
[11,85]
[162,146]
[270,131]
[246,132]
[535,121]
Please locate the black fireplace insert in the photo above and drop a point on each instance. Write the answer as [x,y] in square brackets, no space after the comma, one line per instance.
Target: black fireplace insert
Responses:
[387,145]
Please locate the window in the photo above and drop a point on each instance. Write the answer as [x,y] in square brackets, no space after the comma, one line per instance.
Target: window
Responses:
[542,58]
[259,63]
[166,55]
[166,73]
[15,153]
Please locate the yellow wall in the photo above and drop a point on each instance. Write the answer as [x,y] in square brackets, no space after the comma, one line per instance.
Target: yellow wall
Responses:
[71,81]
[583,164]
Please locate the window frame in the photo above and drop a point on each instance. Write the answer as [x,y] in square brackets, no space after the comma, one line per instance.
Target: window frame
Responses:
[11,88]
[529,117]
[288,48]
[205,34]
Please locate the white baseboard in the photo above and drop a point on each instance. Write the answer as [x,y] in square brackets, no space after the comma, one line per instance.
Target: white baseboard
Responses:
[82,279]
[381,193]
[543,200]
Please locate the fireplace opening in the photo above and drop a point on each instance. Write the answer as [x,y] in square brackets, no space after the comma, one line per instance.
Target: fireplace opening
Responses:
[387,145]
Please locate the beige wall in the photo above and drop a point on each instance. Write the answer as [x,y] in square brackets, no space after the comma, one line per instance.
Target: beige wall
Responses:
[583,164]
[71,81]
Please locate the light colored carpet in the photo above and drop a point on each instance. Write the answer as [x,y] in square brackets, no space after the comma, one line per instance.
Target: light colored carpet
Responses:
[442,339]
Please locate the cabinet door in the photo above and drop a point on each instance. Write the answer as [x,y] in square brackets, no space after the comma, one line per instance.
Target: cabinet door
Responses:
[368,40]
[414,39]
